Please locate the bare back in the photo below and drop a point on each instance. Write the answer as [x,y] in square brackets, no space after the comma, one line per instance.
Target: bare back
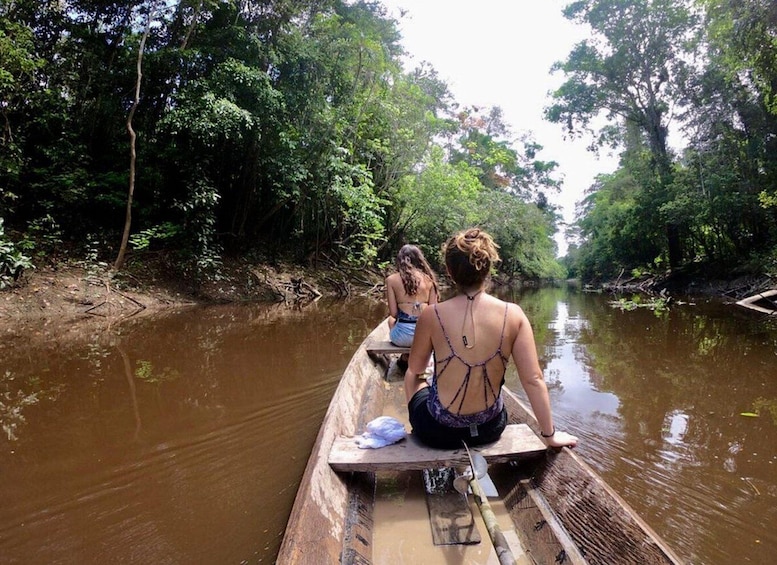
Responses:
[411,304]
[473,335]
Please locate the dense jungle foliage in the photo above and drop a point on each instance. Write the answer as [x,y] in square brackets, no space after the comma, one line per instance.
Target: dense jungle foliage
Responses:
[200,129]
[704,72]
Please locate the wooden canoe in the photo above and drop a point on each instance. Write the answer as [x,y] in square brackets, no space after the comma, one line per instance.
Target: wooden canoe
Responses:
[562,511]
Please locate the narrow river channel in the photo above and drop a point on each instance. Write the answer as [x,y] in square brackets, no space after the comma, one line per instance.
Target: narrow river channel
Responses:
[182,438]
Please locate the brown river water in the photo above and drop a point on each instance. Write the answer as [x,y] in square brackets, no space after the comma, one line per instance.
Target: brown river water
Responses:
[182,438]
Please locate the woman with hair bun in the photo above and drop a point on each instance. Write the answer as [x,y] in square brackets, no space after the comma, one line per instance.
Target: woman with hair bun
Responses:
[473,335]
[408,292]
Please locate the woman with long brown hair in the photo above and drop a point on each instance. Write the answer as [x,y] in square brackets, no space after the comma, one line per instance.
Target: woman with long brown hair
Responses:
[408,292]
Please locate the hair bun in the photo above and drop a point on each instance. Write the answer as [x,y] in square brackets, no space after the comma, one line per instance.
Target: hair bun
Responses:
[479,247]
[469,255]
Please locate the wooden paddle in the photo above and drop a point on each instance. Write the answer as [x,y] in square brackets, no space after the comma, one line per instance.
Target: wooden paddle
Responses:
[502,548]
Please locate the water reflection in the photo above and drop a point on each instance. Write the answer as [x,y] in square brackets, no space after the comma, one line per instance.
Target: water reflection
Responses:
[183,438]
[178,439]
[658,399]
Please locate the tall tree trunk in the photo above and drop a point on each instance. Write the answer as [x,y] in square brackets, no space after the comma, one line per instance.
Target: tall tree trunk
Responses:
[133,153]
[185,42]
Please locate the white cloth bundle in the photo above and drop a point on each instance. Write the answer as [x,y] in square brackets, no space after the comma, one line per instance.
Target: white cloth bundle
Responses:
[382,431]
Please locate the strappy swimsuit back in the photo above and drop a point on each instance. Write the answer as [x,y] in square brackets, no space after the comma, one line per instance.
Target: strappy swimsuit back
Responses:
[445,414]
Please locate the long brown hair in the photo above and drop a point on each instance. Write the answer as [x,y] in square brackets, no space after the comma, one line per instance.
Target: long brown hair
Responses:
[411,258]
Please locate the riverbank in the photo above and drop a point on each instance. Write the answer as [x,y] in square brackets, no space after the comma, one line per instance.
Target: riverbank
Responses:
[65,296]
[734,287]
[60,298]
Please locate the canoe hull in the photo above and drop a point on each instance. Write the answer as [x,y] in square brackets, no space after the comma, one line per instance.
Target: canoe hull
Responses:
[588,517]
[562,510]
[332,513]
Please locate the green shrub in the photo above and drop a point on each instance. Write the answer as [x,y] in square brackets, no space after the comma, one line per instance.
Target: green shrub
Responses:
[12,261]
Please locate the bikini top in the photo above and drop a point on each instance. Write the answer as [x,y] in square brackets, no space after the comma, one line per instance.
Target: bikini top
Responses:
[444,414]
[416,305]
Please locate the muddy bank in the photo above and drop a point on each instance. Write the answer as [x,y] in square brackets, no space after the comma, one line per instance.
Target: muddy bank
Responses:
[74,298]
[55,301]
[733,288]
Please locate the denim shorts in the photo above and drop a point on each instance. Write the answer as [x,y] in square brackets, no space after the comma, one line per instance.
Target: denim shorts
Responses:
[402,334]
[434,434]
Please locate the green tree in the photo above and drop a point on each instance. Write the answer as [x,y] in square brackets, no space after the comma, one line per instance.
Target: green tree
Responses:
[447,197]
[744,37]
[525,235]
[19,66]
[484,142]
[611,229]
[630,72]
[439,201]
[285,126]
[730,167]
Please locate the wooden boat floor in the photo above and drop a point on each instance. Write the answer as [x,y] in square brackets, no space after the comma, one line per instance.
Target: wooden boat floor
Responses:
[402,534]
[517,441]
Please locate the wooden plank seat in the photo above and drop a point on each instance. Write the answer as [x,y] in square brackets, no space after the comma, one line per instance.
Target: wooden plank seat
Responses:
[383,347]
[517,441]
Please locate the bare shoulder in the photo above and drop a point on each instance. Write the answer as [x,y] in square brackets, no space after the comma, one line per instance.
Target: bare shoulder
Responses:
[515,314]
[393,279]
[512,307]
[427,314]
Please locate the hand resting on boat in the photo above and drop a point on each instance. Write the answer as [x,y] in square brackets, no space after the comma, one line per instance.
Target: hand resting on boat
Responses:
[560,439]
